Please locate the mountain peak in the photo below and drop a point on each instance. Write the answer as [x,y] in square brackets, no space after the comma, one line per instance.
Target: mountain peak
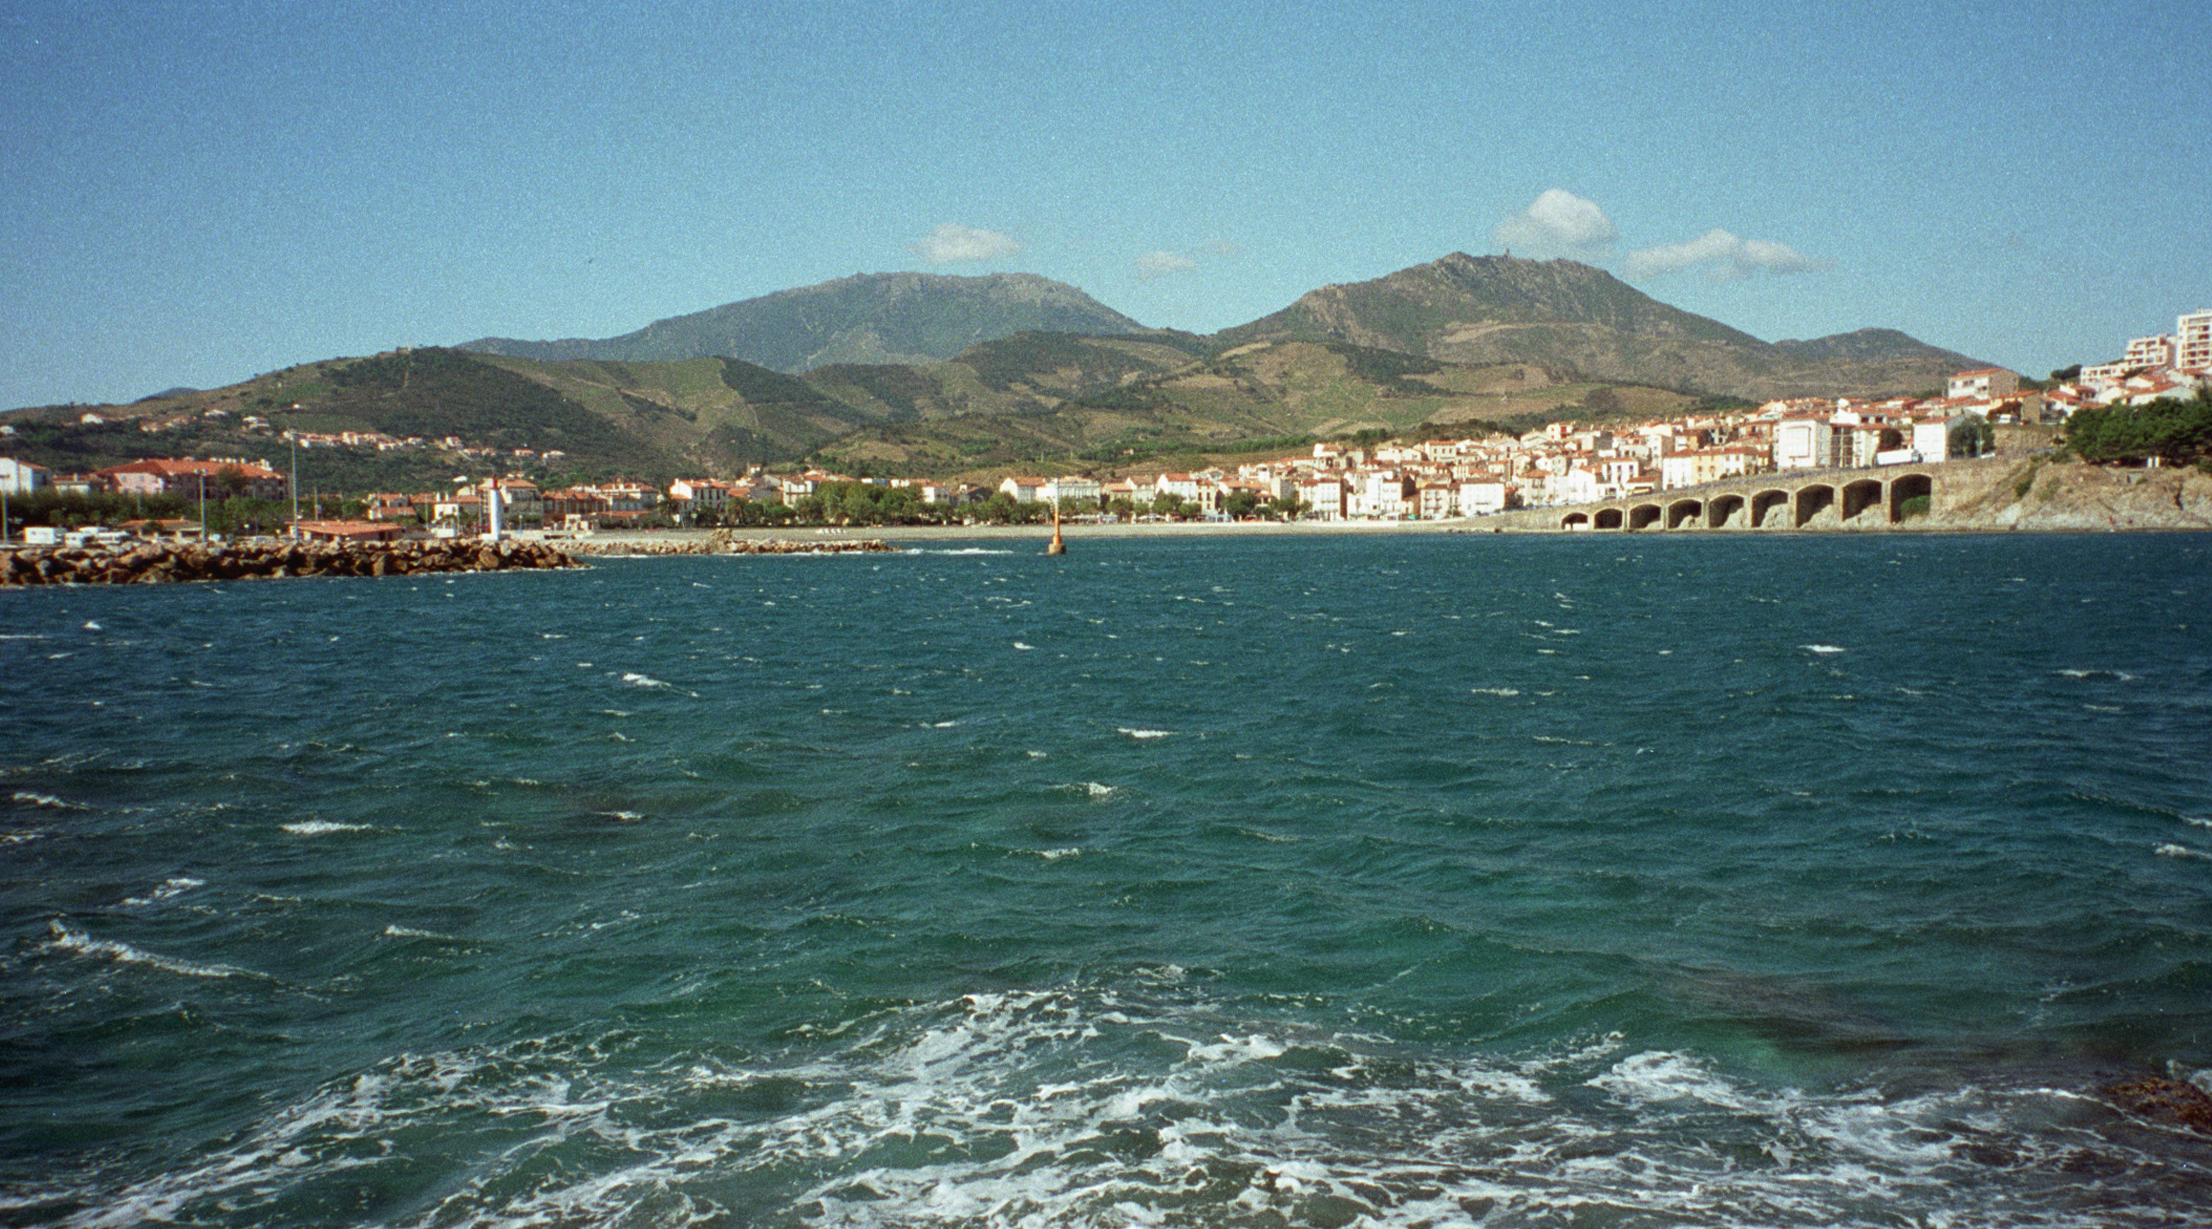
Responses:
[1565,314]
[899,318]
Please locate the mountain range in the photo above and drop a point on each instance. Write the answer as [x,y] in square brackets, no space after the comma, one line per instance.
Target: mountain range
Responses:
[925,374]
[1463,309]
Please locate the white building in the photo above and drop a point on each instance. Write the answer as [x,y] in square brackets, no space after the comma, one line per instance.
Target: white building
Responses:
[1931,437]
[1321,498]
[1481,496]
[2193,341]
[1066,489]
[1804,443]
[2155,351]
[699,493]
[1384,494]
[20,477]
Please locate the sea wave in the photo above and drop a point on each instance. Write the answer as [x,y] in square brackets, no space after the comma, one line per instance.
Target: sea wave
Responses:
[172,887]
[48,802]
[65,938]
[1144,1105]
[323,827]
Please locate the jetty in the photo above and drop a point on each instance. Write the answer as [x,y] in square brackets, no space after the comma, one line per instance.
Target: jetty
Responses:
[152,563]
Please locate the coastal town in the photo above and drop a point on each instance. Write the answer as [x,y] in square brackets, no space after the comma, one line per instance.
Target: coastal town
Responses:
[1432,479]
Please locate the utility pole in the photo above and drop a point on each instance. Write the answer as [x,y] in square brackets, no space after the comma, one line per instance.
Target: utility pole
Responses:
[295,434]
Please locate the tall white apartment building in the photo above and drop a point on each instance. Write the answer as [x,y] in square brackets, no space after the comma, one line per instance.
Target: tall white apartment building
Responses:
[2193,341]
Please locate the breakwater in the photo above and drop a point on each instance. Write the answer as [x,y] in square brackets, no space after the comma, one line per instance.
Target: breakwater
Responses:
[165,562]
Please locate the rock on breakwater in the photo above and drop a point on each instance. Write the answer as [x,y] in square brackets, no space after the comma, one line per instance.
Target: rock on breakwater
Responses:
[163,562]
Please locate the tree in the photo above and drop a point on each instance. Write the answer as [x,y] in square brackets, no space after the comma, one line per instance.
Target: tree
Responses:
[1972,436]
[2169,430]
[1240,504]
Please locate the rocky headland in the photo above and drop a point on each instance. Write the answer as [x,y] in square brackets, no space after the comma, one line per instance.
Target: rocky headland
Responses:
[2037,493]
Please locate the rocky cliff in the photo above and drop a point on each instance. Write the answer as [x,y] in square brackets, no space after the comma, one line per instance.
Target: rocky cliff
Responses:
[2035,493]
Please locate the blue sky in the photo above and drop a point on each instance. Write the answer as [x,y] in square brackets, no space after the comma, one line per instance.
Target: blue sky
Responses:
[199,192]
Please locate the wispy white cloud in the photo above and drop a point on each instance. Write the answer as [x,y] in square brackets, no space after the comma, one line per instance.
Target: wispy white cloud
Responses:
[952,243]
[1163,262]
[1558,223]
[1725,257]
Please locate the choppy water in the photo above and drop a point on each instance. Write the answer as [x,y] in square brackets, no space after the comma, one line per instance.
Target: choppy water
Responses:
[1317,881]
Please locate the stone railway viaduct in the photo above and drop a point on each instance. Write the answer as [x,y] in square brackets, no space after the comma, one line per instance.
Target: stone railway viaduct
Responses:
[1797,499]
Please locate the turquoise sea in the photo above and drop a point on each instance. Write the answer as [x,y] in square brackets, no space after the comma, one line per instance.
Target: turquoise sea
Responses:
[1332,880]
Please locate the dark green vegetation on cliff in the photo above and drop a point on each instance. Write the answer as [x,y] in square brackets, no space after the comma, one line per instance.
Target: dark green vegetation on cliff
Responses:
[2168,431]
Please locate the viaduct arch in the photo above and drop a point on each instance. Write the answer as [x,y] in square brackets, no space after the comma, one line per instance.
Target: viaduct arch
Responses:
[1829,499]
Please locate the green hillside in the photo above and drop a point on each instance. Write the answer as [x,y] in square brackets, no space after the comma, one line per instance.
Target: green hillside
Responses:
[1570,316]
[1253,397]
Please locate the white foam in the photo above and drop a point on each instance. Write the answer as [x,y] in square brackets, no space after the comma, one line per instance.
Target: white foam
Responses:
[1823,649]
[323,827]
[1495,691]
[641,680]
[1665,1076]
[2170,850]
[66,939]
[1140,1105]
[170,888]
[48,802]
[1137,733]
